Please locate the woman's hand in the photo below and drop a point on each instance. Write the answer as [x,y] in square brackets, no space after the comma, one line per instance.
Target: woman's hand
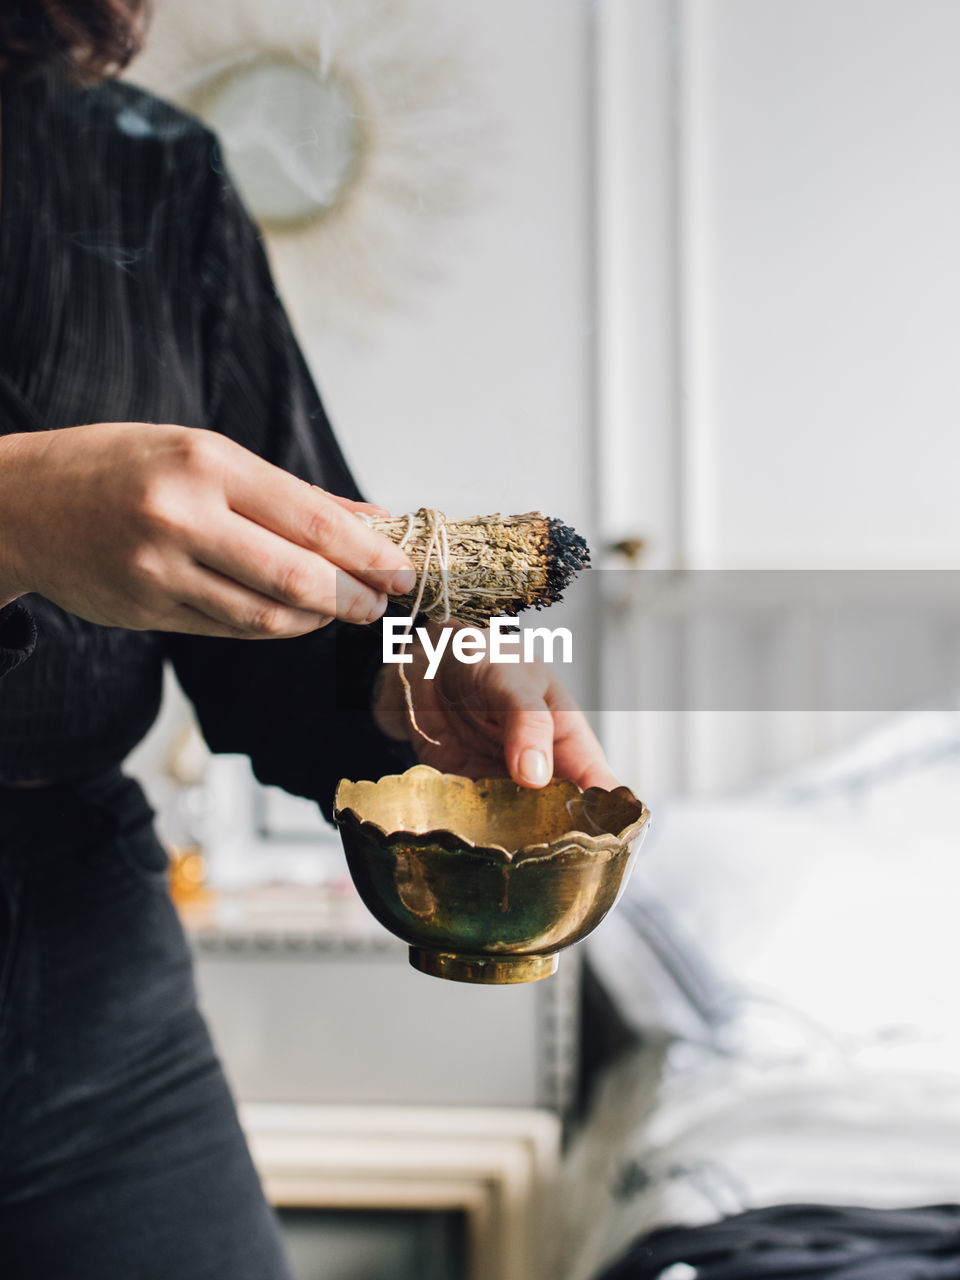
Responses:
[175,529]
[492,718]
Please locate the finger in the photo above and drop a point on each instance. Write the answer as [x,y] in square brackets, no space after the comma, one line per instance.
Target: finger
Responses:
[248,554]
[184,619]
[528,746]
[245,612]
[579,755]
[598,774]
[353,504]
[307,516]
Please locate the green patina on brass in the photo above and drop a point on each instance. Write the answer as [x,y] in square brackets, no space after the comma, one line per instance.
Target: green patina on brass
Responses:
[486,881]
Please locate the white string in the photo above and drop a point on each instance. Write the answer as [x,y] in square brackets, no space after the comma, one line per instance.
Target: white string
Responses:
[436,543]
[407,532]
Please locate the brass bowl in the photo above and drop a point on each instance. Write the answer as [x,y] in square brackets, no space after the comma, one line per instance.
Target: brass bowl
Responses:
[486,881]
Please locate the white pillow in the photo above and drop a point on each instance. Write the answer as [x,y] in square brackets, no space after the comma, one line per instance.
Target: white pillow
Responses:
[827,906]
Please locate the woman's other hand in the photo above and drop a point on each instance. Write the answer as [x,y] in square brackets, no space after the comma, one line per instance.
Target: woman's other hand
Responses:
[490,719]
[171,528]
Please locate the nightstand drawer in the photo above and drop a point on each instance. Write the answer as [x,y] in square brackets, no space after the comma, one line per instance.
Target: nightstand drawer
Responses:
[315,1020]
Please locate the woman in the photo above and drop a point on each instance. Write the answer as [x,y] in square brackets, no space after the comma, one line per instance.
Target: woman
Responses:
[134,293]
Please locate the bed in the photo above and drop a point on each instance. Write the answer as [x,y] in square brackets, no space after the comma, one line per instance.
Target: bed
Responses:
[787,962]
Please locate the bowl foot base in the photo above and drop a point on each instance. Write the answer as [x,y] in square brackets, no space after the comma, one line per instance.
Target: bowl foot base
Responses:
[483,969]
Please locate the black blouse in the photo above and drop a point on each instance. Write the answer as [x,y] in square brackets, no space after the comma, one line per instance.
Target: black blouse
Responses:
[134,287]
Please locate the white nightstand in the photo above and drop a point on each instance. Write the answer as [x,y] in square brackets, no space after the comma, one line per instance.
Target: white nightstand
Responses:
[496,1167]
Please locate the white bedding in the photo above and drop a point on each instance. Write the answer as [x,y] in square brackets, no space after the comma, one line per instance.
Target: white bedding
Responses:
[689,1141]
[798,996]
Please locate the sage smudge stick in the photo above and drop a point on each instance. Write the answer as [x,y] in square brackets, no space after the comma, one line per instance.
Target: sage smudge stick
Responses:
[484,566]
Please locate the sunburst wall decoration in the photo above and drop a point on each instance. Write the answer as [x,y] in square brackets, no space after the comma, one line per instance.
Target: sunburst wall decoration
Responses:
[354,129]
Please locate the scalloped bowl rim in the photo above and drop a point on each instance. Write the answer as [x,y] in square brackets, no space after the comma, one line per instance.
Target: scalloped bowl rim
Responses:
[609,842]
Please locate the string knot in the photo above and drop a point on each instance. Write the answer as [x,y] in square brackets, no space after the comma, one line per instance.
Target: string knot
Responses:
[437,545]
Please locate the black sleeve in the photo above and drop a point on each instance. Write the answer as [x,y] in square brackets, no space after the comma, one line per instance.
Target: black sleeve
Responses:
[298,708]
[18,635]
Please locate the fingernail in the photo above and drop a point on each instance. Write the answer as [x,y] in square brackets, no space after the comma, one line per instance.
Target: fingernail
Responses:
[534,768]
[404,580]
[378,609]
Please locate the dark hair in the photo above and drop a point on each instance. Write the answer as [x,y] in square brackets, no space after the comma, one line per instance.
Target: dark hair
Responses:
[94,38]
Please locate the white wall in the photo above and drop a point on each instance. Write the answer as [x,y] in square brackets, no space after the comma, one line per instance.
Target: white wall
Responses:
[475,397]
[779,207]
[780,187]
[824,202]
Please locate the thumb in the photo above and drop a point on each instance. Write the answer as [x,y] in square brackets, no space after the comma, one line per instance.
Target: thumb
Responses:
[528,746]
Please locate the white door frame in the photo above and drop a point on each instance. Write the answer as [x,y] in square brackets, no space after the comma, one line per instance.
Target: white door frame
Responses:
[641,415]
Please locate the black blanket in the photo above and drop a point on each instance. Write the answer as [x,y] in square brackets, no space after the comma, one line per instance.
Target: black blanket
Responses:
[804,1242]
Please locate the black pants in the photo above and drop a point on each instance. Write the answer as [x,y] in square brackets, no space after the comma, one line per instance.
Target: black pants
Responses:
[121,1157]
